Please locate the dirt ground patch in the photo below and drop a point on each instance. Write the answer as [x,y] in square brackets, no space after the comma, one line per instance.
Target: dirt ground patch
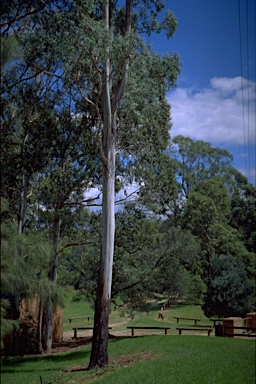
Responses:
[85,338]
[115,363]
[69,344]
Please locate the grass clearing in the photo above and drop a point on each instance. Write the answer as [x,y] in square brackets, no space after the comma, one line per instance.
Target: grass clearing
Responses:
[76,309]
[150,359]
[146,359]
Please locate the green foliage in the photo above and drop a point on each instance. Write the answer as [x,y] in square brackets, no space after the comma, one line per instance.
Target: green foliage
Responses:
[243,211]
[144,115]
[159,192]
[79,251]
[7,326]
[209,202]
[9,50]
[229,290]
[179,265]
[206,215]
[22,259]
[152,256]
[149,255]
[24,266]
[137,238]
[198,161]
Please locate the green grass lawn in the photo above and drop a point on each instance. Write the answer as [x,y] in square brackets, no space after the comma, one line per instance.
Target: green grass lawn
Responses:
[172,359]
[158,359]
[75,309]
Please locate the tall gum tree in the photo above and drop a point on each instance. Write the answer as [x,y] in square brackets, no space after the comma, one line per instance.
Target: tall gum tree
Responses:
[99,353]
[111,97]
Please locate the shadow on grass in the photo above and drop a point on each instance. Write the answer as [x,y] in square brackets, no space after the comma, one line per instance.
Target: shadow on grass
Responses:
[114,338]
[69,356]
[28,370]
[178,305]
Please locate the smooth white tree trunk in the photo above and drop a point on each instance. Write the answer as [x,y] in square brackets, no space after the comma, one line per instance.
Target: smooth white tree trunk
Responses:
[99,353]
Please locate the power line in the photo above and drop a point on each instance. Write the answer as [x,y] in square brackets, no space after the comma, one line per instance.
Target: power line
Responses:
[248,91]
[242,83]
[255,103]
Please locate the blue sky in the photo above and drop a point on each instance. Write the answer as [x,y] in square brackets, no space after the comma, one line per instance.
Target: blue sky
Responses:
[214,99]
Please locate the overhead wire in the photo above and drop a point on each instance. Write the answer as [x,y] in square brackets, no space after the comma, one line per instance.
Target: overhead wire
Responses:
[242,84]
[255,100]
[248,89]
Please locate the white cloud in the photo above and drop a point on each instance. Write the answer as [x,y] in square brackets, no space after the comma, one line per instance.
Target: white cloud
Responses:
[217,113]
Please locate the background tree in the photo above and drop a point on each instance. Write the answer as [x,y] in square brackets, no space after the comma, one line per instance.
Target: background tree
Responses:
[68,174]
[150,255]
[207,206]
[198,161]
[229,290]
[243,210]
[136,242]
[207,214]
[179,269]
[159,189]
[15,13]
[24,260]
[26,145]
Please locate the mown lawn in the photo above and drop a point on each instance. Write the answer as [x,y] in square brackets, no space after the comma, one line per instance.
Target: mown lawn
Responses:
[75,309]
[157,359]
[147,359]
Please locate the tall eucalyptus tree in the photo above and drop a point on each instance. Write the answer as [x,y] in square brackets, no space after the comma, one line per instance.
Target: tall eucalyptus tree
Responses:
[114,79]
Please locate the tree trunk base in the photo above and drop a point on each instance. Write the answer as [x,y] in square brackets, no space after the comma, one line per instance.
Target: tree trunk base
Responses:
[99,352]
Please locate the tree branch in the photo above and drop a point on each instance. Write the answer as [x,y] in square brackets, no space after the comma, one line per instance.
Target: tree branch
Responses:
[20,17]
[83,202]
[74,244]
[157,264]
[127,197]
[122,83]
